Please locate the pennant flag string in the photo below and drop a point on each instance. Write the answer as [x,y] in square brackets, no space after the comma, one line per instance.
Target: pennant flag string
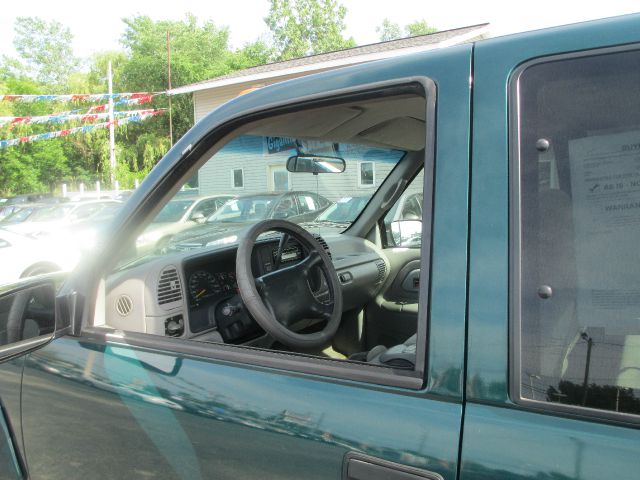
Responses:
[131,101]
[105,107]
[64,117]
[93,97]
[83,129]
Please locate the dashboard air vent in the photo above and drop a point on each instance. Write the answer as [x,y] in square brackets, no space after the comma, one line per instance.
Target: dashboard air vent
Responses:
[124,305]
[322,242]
[382,270]
[169,288]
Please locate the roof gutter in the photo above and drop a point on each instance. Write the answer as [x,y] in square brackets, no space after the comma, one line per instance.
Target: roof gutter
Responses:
[329,64]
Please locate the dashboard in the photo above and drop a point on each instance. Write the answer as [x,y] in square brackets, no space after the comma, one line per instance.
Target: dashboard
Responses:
[194,294]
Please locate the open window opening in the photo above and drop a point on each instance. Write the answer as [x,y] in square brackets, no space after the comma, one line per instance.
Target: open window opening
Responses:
[275,269]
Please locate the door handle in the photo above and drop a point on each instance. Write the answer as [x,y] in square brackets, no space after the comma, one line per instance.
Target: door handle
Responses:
[357,466]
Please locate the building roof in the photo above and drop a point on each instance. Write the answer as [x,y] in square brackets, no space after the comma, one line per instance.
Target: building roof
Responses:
[349,56]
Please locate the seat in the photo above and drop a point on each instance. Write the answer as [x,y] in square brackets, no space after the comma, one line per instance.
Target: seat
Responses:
[284,209]
[260,209]
[398,356]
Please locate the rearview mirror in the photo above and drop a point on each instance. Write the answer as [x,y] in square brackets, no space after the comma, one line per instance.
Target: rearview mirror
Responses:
[315,164]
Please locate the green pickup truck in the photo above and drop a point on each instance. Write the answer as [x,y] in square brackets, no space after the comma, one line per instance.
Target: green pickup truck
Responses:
[477,318]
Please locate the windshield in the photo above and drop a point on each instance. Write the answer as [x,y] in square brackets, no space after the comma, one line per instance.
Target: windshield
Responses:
[50,213]
[242,210]
[345,210]
[173,211]
[19,215]
[106,213]
[283,178]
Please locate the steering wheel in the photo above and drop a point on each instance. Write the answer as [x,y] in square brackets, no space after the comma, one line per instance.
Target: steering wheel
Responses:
[278,299]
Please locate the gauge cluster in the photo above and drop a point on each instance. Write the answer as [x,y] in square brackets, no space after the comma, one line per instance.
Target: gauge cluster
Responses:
[204,284]
[212,290]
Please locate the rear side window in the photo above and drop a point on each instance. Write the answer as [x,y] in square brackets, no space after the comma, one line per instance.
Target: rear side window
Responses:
[576,227]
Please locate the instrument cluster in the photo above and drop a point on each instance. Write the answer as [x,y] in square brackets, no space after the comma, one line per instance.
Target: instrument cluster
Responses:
[204,284]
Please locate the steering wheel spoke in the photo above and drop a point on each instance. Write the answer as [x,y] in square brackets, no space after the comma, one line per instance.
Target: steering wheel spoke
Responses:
[313,259]
[280,298]
[322,310]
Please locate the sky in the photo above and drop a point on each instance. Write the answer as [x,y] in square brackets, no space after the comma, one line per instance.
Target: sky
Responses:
[99,28]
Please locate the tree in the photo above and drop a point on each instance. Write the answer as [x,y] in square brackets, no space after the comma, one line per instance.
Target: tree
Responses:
[252,54]
[307,27]
[391,31]
[46,49]
[198,52]
[419,27]
[97,77]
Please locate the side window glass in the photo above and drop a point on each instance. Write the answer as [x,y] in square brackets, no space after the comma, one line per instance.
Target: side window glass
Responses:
[84,212]
[403,223]
[577,281]
[285,207]
[204,209]
[307,203]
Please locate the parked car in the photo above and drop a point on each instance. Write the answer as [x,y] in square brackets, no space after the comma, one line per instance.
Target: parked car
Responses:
[7,209]
[178,215]
[22,256]
[88,235]
[339,216]
[243,211]
[46,220]
[507,346]
[21,212]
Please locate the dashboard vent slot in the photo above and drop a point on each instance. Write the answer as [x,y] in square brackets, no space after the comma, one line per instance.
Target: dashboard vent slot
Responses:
[382,270]
[124,305]
[323,242]
[169,288]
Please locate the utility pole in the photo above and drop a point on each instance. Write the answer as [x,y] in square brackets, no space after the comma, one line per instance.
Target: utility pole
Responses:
[585,384]
[112,133]
[169,89]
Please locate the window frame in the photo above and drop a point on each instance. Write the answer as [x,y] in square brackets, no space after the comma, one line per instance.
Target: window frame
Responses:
[373,171]
[233,178]
[193,158]
[516,376]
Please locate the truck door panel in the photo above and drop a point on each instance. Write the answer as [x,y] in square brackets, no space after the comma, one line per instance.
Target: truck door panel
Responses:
[194,410]
[535,408]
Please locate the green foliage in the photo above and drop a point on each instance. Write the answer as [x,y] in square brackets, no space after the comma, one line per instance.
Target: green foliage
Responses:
[46,49]
[419,27]
[391,31]
[32,167]
[252,54]
[307,27]
[199,51]
[97,76]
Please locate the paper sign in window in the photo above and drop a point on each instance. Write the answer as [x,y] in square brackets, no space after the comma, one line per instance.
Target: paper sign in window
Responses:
[605,184]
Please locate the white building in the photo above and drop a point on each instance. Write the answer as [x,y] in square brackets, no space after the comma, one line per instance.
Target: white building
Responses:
[227,173]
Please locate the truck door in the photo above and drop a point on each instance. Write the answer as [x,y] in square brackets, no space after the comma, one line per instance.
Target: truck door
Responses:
[27,313]
[552,379]
[131,401]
